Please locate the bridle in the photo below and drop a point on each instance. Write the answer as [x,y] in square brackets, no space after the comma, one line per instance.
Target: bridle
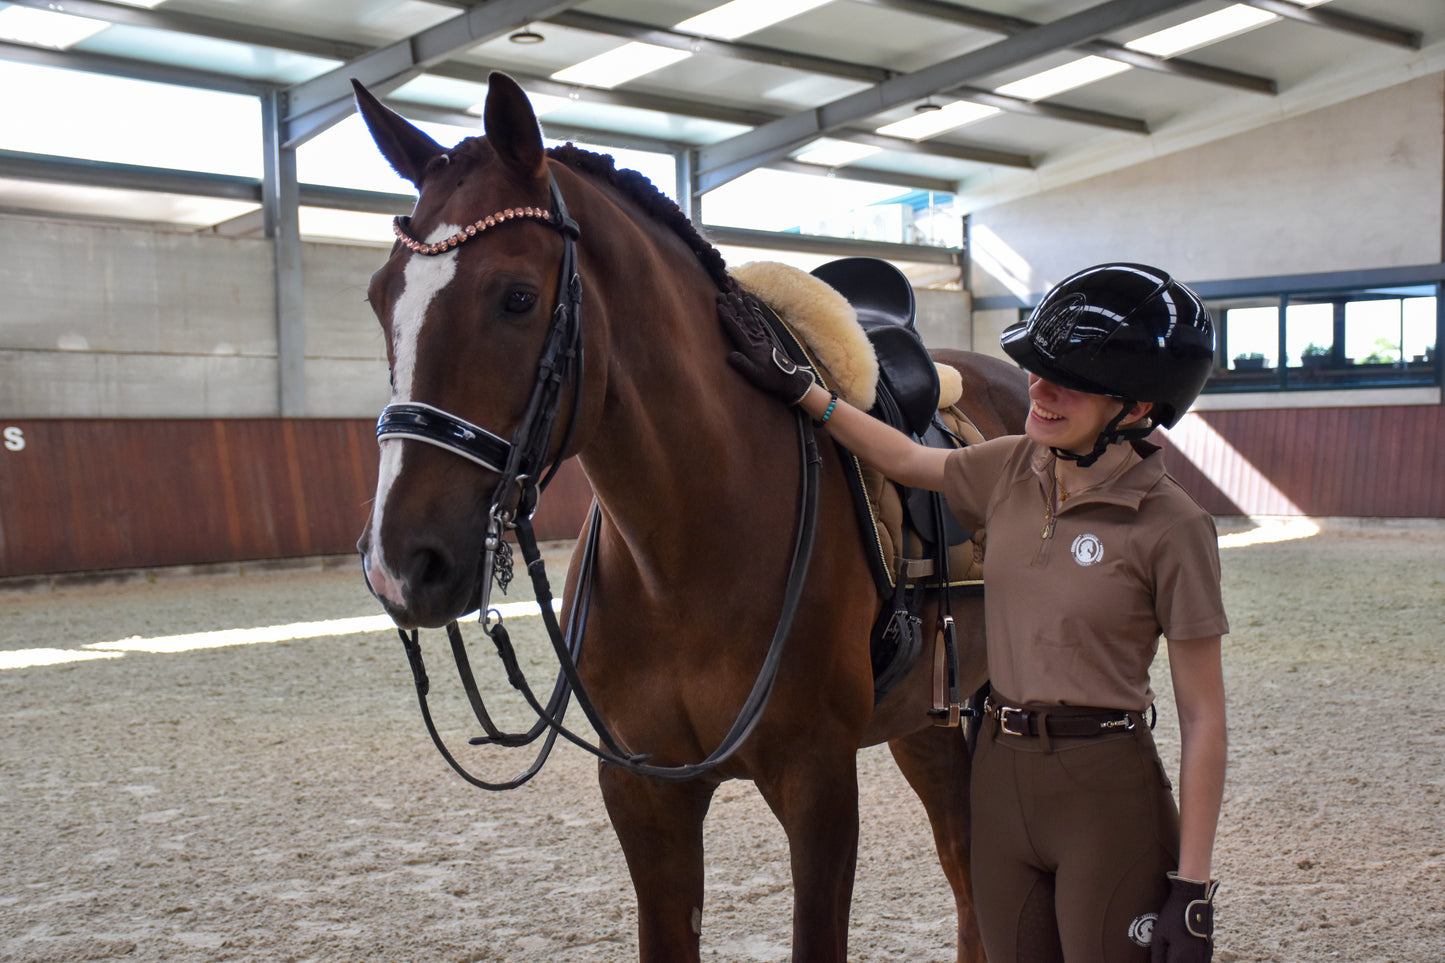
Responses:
[518,463]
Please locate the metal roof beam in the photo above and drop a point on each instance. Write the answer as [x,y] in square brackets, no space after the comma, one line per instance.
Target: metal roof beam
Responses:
[836,246]
[727,160]
[132,69]
[235,31]
[609,138]
[1345,22]
[1000,23]
[698,43]
[56,169]
[742,117]
[316,104]
[826,66]
[1038,108]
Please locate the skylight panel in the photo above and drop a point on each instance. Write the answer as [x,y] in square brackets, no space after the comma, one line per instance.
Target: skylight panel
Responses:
[741,17]
[934,122]
[541,104]
[620,65]
[1202,31]
[46,28]
[828,152]
[1076,73]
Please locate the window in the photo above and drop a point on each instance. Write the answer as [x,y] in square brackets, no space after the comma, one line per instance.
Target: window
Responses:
[1377,337]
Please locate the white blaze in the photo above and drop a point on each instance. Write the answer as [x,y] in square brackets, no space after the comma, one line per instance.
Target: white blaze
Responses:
[423,278]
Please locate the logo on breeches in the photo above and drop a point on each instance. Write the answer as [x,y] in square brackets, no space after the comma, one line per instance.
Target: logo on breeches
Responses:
[1141,931]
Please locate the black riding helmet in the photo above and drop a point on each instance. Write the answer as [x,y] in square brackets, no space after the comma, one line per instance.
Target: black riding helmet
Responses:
[1128,331]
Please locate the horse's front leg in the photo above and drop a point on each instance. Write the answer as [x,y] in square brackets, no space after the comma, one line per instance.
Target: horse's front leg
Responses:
[659,825]
[936,763]
[815,797]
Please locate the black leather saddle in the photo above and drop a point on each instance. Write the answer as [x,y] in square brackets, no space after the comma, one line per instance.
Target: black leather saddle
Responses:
[908,390]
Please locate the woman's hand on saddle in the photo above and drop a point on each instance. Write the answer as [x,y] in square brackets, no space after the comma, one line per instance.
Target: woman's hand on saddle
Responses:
[755,354]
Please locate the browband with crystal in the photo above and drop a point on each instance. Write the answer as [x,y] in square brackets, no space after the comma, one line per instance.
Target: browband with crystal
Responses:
[399,224]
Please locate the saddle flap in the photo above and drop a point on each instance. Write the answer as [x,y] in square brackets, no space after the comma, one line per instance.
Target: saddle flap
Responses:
[907,372]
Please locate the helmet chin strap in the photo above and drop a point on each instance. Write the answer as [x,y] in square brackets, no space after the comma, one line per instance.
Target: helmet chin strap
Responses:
[1112,433]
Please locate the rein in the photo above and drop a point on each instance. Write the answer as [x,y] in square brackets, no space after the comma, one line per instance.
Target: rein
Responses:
[517,462]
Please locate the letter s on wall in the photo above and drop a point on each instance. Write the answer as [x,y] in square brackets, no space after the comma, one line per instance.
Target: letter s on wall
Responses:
[14,439]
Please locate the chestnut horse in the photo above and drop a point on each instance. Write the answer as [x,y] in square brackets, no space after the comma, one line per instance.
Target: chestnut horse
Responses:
[696,474]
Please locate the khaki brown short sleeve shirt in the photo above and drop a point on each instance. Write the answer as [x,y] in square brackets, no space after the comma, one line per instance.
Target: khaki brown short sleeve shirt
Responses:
[1074,613]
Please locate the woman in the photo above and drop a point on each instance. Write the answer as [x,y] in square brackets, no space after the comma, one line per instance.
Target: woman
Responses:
[1079,851]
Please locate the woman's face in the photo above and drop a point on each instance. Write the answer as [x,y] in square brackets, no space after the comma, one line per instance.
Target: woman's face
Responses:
[1067,419]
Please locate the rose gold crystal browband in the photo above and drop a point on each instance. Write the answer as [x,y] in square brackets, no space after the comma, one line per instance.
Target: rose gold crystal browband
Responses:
[399,227]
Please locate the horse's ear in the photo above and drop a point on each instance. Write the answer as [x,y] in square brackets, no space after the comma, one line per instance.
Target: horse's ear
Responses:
[512,126]
[405,147]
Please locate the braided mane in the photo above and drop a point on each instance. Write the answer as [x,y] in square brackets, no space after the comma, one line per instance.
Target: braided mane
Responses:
[653,202]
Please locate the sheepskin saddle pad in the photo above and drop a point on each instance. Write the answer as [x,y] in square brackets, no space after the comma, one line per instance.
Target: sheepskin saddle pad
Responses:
[900,526]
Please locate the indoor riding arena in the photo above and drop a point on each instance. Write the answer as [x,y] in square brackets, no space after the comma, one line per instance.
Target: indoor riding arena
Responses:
[213,746]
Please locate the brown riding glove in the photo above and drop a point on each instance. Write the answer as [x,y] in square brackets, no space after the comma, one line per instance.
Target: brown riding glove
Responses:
[756,356]
[1184,932]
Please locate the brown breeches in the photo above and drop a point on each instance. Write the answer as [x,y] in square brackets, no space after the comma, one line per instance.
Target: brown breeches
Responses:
[1071,841]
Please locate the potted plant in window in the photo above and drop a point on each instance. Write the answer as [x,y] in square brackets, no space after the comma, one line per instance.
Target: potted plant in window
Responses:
[1315,356]
[1249,361]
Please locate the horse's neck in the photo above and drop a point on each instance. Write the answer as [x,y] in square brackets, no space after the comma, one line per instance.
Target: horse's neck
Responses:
[677,456]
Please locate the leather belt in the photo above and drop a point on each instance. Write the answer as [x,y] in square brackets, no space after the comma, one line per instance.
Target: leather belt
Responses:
[1065,721]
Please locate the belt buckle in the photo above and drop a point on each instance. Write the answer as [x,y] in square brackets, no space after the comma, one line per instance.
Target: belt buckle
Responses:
[1004,712]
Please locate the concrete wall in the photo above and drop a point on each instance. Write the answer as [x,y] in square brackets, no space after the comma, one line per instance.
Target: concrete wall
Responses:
[942,318]
[113,321]
[102,320]
[1352,186]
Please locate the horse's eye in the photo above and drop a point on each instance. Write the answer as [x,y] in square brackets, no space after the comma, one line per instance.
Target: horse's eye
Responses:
[520,302]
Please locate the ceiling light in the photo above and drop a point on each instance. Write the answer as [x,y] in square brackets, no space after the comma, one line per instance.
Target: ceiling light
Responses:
[827,152]
[1202,30]
[620,65]
[1076,73]
[46,28]
[740,17]
[930,123]
[526,37]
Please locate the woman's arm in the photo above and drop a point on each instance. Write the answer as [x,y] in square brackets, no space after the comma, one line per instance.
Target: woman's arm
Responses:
[1197,671]
[886,449]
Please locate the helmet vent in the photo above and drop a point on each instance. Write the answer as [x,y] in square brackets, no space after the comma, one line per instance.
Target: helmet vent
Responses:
[1053,329]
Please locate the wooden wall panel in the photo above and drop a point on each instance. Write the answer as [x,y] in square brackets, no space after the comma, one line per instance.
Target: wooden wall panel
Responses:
[1381,462]
[87,495]
[92,494]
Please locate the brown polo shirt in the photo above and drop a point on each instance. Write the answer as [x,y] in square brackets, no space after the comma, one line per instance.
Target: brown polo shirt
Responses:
[1074,617]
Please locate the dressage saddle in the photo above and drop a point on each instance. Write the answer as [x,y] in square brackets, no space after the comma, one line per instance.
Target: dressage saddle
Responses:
[907,399]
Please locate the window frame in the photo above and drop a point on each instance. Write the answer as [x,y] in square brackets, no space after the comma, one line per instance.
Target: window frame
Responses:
[1337,371]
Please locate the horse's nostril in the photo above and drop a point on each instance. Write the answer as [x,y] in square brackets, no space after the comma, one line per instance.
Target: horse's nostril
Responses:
[428,565]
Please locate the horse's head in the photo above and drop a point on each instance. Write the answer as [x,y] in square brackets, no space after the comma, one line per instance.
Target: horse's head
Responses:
[466,303]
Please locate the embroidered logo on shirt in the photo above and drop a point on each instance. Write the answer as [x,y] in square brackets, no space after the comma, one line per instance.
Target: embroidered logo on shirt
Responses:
[1141,931]
[1087,549]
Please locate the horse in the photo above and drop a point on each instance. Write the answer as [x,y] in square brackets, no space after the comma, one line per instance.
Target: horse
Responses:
[696,485]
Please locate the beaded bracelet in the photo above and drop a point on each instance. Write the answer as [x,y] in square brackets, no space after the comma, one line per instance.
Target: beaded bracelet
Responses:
[832,403]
